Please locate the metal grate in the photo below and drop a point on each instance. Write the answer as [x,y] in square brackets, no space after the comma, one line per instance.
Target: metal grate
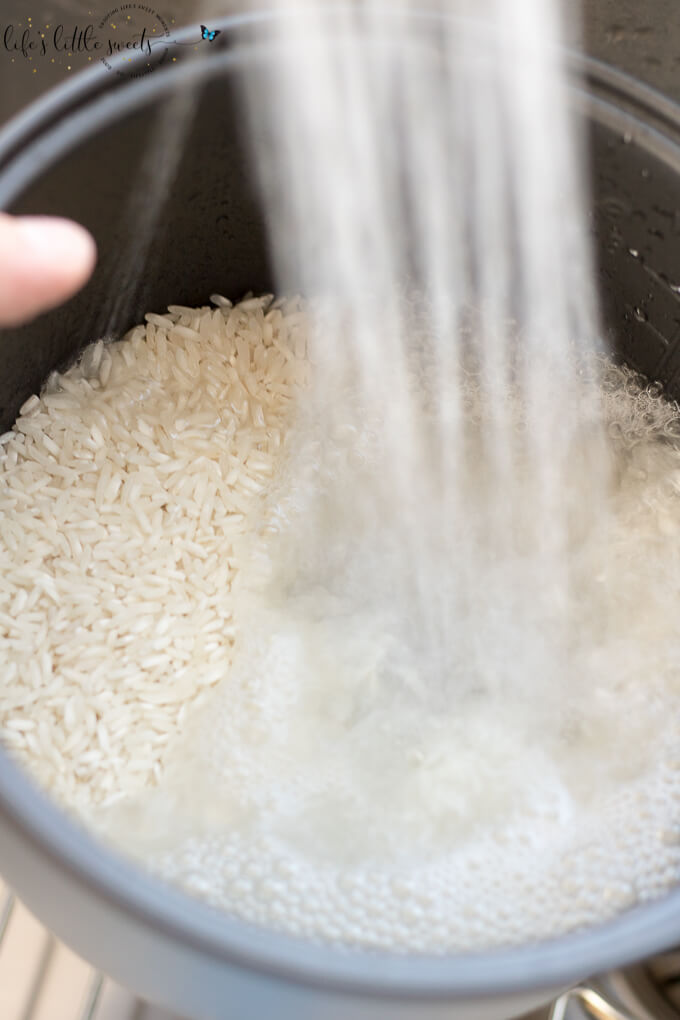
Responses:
[41,979]
[647,991]
[664,971]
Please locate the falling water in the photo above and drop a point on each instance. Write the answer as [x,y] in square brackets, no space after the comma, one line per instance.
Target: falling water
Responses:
[144,209]
[425,193]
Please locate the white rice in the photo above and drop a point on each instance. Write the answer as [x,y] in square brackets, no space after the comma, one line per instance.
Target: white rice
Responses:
[126,489]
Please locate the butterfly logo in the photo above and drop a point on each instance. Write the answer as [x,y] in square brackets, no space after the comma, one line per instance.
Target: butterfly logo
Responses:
[210,35]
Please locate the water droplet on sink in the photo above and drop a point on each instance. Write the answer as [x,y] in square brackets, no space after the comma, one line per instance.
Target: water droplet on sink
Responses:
[634,252]
[640,314]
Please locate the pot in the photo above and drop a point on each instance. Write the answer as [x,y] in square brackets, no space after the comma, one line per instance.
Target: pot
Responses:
[76,153]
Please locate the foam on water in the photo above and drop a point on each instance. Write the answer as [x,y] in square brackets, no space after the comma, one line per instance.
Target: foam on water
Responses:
[340,783]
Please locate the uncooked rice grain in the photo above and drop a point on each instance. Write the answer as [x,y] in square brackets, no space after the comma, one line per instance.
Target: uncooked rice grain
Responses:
[127,489]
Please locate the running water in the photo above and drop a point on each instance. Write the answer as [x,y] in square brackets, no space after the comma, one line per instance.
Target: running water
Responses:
[143,212]
[439,687]
[424,190]
[423,179]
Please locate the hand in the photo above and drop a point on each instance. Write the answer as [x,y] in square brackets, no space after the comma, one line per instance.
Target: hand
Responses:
[43,261]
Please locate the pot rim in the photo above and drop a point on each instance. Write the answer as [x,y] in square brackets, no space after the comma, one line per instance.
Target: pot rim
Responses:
[29,144]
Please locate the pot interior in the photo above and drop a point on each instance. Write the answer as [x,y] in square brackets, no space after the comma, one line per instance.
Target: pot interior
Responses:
[205,232]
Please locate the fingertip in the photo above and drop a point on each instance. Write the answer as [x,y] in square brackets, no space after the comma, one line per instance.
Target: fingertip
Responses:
[57,248]
[44,260]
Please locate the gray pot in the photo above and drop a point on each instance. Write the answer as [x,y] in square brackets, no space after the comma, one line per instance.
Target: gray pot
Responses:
[75,153]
